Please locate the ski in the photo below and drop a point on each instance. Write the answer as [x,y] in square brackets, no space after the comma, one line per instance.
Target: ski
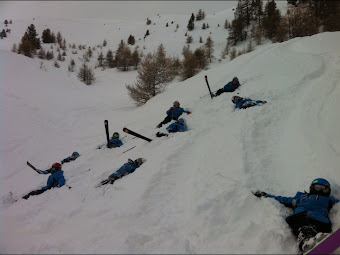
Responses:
[106,123]
[208,94]
[206,80]
[327,245]
[130,132]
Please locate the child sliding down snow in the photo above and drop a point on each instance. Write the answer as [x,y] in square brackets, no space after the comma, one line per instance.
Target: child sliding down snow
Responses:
[125,169]
[56,179]
[243,103]
[173,114]
[310,215]
[178,126]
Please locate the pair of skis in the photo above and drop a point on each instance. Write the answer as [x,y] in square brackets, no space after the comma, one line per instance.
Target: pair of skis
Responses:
[126,130]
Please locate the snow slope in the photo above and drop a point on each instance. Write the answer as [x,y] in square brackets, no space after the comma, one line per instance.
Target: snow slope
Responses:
[193,194]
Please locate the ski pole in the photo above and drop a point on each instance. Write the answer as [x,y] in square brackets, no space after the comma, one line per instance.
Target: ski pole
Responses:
[129,149]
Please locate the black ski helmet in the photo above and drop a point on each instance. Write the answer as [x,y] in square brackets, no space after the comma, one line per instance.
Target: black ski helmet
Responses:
[235,79]
[236,99]
[115,135]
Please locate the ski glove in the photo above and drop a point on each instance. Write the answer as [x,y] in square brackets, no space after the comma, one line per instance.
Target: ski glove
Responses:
[260,194]
[188,112]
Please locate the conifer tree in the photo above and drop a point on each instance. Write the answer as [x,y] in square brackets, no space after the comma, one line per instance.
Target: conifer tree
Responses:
[33,36]
[131,40]
[72,65]
[86,75]
[271,19]
[135,59]
[190,66]
[100,59]
[25,46]
[46,36]
[109,60]
[209,47]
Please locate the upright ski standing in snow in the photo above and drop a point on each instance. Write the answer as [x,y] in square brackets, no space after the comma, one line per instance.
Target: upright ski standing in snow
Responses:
[206,80]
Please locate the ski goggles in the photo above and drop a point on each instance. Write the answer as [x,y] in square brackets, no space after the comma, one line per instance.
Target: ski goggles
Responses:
[116,135]
[320,187]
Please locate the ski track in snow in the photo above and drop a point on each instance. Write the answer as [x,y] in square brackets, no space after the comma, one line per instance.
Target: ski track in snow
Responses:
[193,195]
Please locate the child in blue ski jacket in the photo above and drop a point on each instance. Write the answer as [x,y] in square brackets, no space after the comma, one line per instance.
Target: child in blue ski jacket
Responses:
[310,215]
[173,114]
[74,156]
[229,87]
[125,169]
[56,179]
[243,103]
[178,126]
[114,141]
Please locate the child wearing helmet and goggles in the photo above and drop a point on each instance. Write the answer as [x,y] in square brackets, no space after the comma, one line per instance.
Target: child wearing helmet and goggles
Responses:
[311,212]
[114,141]
[128,168]
[229,87]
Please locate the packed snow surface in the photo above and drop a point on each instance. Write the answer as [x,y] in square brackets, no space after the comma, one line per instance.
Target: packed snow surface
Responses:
[193,195]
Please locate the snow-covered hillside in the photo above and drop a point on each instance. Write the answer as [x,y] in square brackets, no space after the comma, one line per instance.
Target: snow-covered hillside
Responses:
[193,195]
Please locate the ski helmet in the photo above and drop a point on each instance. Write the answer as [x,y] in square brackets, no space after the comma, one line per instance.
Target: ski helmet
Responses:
[181,121]
[320,186]
[235,79]
[176,103]
[75,154]
[115,135]
[236,99]
[140,161]
[56,167]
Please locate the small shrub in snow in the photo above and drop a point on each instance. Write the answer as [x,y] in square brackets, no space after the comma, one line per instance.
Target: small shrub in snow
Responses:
[56,64]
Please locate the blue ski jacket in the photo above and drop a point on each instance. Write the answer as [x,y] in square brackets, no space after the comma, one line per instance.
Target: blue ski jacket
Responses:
[56,179]
[176,127]
[116,142]
[175,112]
[247,102]
[126,169]
[316,206]
[230,87]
